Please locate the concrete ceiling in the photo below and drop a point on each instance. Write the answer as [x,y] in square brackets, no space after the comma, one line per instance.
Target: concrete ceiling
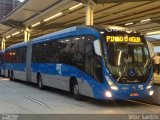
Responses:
[112,12]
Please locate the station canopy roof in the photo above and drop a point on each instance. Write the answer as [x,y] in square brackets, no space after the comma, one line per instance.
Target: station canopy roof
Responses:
[45,16]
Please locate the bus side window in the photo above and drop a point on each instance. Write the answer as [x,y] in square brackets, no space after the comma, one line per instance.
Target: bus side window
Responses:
[46,52]
[78,52]
[34,53]
[98,68]
[64,51]
[23,54]
[13,56]
[74,51]
[81,51]
[0,58]
[17,55]
[37,53]
[54,54]
[89,60]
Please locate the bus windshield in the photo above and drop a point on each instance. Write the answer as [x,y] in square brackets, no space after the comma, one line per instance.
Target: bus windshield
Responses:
[127,55]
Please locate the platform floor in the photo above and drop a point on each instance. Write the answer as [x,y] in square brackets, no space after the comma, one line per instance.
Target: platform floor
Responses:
[155,99]
[21,98]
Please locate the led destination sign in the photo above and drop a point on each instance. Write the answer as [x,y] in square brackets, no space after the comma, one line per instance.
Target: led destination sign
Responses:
[123,39]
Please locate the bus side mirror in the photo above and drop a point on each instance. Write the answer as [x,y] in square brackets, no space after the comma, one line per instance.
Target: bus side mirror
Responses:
[151,50]
[97,47]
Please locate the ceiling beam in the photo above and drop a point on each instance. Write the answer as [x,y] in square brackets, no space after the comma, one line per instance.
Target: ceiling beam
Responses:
[112,1]
[13,24]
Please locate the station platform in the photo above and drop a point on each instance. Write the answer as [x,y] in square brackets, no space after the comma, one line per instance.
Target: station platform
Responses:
[155,99]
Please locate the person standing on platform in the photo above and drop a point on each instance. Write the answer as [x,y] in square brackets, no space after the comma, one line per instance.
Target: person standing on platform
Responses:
[157,63]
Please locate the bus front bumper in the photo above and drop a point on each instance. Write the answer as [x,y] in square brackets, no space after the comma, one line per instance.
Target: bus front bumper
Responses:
[122,95]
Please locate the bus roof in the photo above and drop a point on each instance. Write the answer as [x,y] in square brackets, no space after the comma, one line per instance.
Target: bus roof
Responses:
[64,32]
[54,34]
[70,31]
[17,45]
[2,51]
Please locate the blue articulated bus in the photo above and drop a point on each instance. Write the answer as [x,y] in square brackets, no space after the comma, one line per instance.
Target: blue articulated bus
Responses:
[2,64]
[100,62]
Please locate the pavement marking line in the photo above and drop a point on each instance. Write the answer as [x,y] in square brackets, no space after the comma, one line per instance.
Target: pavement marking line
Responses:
[43,104]
[34,100]
[143,103]
[5,86]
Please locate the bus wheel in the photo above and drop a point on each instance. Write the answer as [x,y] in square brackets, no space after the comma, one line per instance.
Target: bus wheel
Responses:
[40,84]
[12,76]
[75,90]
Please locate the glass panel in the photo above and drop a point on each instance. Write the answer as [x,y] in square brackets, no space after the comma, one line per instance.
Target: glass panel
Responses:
[124,58]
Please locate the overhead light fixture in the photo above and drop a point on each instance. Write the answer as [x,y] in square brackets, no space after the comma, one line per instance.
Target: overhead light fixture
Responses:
[36,24]
[145,20]
[16,33]
[131,23]
[153,33]
[54,16]
[76,6]
[8,36]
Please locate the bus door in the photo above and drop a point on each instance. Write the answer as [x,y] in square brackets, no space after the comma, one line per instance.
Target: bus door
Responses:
[93,70]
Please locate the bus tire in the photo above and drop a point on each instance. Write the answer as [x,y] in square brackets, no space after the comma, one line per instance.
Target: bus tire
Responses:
[11,76]
[75,90]
[39,82]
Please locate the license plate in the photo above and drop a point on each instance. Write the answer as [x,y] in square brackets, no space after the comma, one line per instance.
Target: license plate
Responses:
[134,94]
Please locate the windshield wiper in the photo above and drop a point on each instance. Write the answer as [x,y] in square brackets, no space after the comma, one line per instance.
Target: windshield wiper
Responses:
[124,70]
[147,63]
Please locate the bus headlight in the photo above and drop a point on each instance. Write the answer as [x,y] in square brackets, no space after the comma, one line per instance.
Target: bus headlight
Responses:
[111,84]
[151,93]
[108,94]
[149,85]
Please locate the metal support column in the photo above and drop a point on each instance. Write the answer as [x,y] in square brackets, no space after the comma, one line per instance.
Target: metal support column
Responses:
[3,43]
[27,34]
[89,12]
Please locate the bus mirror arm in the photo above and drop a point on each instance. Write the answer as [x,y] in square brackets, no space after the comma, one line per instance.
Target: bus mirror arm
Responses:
[97,47]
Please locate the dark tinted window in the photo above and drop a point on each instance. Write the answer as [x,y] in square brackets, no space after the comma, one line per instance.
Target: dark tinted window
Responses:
[47,52]
[37,53]
[77,51]
[10,56]
[65,48]
[50,52]
[1,58]
[89,62]
[17,55]
[54,52]
[23,54]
